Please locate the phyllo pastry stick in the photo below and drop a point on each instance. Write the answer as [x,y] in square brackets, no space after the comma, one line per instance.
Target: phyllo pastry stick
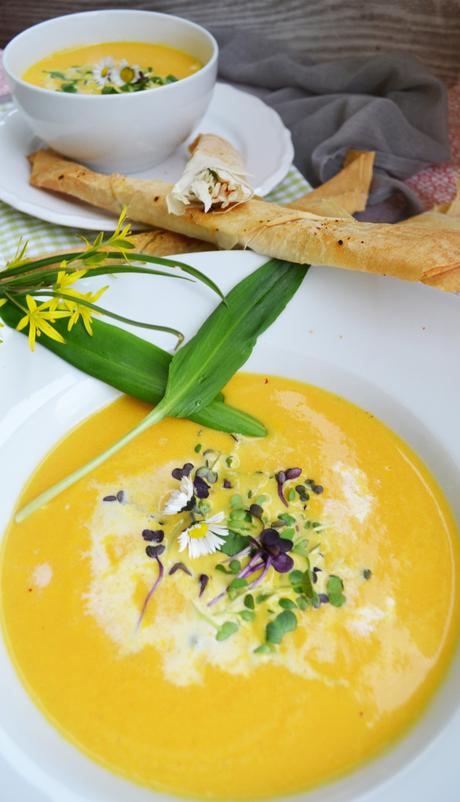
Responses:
[441,217]
[345,192]
[271,230]
[214,178]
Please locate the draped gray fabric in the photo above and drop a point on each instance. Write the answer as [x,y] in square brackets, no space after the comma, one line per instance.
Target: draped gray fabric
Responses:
[388,103]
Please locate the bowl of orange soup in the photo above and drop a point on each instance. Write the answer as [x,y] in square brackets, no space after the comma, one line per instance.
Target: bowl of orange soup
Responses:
[215,616]
[117,89]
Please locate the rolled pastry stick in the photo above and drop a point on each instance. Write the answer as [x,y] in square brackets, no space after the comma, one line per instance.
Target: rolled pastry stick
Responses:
[444,216]
[345,192]
[157,242]
[215,177]
[265,227]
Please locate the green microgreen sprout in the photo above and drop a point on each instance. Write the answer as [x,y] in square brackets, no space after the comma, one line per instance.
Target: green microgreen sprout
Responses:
[334,589]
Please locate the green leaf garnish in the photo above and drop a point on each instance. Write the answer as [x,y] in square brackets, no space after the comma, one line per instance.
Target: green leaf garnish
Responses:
[264,648]
[249,601]
[200,369]
[286,518]
[233,544]
[235,566]
[247,615]
[287,604]
[334,590]
[226,630]
[283,623]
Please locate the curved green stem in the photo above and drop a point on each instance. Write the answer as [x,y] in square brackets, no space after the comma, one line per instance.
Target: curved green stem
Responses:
[157,414]
[101,311]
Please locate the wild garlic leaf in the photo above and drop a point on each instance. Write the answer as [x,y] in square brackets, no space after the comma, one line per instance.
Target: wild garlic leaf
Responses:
[200,369]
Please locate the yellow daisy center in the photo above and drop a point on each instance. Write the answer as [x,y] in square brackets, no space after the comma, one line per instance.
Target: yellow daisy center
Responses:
[198,531]
[104,72]
[127,74]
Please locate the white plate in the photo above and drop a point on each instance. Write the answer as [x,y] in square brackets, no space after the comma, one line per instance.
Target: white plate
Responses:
[253,127]
[386,345]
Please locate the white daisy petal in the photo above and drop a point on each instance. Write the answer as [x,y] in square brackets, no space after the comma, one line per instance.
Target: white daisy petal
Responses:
[183,541]
[178,499]
[102,71]
[219,516]
[220,531]
[204,537]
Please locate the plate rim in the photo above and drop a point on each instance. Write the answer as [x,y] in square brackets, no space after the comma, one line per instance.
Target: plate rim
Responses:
[77,220]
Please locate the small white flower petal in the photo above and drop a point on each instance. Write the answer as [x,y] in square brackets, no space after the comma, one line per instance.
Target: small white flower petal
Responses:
[183,540]
[219,531]
[186,486]
[219,516]
[178,499]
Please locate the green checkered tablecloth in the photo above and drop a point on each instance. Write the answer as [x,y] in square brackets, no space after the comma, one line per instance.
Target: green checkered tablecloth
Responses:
[42,236]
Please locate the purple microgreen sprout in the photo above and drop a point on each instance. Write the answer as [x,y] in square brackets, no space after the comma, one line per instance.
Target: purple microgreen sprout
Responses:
[179,567]
[203,579]
[158,550]
[201,487]
[153,535]
[109,498]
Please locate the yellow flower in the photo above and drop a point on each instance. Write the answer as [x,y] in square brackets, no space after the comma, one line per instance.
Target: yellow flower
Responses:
[78,310]
[38,319]
[65,280]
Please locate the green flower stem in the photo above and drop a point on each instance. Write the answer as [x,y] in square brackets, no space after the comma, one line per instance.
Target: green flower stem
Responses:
[157,414]
[100,311]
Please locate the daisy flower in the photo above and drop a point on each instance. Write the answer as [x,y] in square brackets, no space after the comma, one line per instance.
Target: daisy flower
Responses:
[125,73]
[102,71]
[179,499]
[204,537]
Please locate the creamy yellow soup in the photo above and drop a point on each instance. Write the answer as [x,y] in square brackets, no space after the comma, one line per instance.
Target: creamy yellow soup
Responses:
[111,68]
[206,695]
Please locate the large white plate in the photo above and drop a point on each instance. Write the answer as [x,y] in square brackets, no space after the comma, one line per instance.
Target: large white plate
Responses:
[254,128]
[390,346]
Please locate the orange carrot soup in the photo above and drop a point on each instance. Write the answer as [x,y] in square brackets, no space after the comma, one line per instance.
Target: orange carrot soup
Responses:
[204,610]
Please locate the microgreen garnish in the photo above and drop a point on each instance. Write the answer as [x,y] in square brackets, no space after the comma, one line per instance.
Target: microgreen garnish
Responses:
[367,573]
[283,623]
[153,535]
[203,579]
[226,630]
[335,591]
[179,567]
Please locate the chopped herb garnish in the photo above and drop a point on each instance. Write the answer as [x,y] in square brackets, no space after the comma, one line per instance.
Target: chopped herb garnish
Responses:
[235,566]
[287,604]
[335,591]
[247,615]
[198,448]
[283,623]
[249,601]
[226,630]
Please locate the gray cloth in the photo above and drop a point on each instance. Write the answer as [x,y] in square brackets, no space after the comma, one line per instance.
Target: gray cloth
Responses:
[388,103]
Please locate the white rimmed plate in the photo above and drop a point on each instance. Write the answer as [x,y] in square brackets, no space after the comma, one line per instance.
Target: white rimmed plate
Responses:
[255,129]
[386,345]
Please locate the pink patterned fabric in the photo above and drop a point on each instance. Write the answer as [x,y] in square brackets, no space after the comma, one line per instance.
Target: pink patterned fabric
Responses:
[434,185]
[437,183]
